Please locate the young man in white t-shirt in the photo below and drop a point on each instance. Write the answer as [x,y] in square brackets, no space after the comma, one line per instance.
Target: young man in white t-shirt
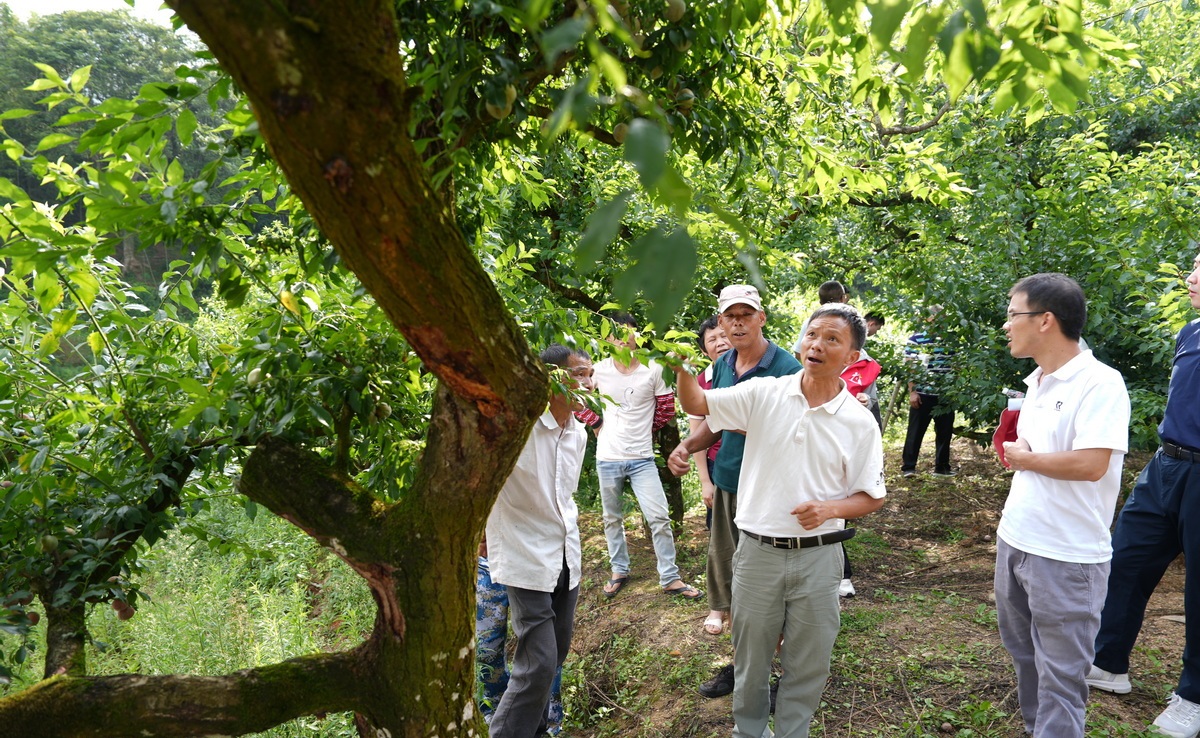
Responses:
[637,403]
[1054,548]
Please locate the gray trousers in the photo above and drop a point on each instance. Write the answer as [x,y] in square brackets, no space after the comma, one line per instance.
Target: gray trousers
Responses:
[543,623]
[1049,613]
[722,542]
[792,593]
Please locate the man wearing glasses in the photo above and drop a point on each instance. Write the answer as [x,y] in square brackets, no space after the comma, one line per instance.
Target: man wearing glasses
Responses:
[1053,549]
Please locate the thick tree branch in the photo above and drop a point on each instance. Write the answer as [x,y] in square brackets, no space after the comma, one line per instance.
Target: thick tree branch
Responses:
[336,512]
[329,91]
[248,701]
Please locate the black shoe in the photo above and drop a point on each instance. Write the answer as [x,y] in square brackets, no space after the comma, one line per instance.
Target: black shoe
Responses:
[721,683]
[774,691]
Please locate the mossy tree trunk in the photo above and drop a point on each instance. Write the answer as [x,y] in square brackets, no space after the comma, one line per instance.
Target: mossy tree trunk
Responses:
[328,87]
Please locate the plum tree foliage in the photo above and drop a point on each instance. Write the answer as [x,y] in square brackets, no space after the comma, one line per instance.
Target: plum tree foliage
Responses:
[398,196]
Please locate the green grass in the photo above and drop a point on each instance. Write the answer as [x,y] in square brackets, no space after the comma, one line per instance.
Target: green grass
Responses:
[210,612]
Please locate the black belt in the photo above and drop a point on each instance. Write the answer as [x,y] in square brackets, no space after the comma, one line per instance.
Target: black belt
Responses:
[1180,452]
[810,541]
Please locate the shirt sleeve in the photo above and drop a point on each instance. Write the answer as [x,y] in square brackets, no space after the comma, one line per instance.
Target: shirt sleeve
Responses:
[867,473]
[587,417]
[732,407]
[1103,417]
[664,410]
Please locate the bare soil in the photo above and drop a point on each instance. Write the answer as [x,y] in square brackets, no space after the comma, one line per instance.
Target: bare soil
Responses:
[918,655]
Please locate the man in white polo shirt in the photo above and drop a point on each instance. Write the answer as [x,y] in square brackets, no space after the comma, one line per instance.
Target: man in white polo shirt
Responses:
[533,549]
[1053,553]
[813,459]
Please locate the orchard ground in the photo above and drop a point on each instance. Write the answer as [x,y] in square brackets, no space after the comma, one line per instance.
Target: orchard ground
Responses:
[918,655]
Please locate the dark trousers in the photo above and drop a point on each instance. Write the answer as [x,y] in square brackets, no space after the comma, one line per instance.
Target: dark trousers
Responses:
[543,623]
[918,422]
[1160,520]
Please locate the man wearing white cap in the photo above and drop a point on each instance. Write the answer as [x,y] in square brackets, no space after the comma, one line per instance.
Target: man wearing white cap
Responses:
[752,356]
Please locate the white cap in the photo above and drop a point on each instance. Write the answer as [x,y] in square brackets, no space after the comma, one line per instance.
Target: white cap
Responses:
[735,294]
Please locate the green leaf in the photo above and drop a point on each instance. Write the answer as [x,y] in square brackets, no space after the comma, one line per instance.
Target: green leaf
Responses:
[603,226]
[958,69]
[917,43]
[41,84]
[47,291]
[646,148]
[754,10]
[51,73]
[79,78]
[96,343]
[12,192]
[1034,56]
[978,12]
[175,173]
[86,286]
[15,113]
[185,126]
[609,66]
[54,139]
[193,387]
[663,273]
[886,17]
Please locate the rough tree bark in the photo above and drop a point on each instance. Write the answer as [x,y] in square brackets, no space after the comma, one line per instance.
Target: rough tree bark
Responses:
[327,84]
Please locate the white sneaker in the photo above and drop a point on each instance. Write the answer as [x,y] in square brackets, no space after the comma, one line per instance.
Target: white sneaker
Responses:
[1181,719]
[846,589]
[1098,678]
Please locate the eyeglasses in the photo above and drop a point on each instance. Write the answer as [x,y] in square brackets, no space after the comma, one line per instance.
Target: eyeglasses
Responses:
[1012,315]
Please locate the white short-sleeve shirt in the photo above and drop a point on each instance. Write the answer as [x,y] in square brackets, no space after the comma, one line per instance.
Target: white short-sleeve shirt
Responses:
[796,453]
[627,433]
[1082,405]
[535,522]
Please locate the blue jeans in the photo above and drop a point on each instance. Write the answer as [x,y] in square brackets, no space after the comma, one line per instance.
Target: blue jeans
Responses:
[647,488]
[491,640]
[1160,519]
[1049,612]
